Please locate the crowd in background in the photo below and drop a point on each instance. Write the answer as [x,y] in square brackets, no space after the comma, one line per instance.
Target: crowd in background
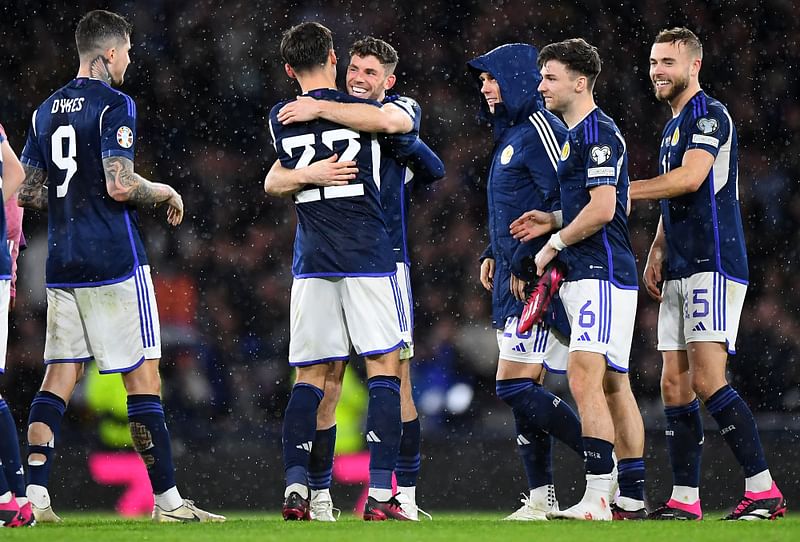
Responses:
[204,76]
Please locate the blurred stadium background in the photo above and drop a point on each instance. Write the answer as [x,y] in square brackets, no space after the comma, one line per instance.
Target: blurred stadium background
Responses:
[205,74]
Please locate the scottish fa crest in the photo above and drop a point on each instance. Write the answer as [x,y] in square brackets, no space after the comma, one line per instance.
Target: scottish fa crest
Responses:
[565,151]
[600,154]
[505,157]
[676,135]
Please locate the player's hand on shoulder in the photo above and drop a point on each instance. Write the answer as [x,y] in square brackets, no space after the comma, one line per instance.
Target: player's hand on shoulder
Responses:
[532,224]
[487,273]
[331,172]
[174,208]
[303,109]
[652,272]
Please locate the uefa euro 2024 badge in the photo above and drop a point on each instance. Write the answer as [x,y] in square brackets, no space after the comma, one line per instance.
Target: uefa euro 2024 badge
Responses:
[125,137]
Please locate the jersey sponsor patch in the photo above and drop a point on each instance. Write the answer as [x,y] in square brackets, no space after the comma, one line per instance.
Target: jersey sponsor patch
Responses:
[600,153]
[125,137]
[505,157]
[707,125]
[595,172]
[565,151]
[705,140]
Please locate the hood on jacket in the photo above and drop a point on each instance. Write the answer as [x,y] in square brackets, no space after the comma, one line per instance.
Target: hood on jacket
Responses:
[514,67]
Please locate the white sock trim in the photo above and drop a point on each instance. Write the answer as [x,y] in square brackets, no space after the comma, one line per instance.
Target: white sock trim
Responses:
[169,500]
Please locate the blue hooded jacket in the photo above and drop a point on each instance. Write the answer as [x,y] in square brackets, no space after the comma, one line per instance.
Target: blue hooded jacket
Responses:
[522,175]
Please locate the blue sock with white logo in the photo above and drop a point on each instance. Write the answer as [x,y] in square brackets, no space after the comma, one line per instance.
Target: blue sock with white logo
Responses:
[9,452]
[320,461]
[408,459]
[545,410]
[599,455]
[383,429]
[47,408]
[535,449]
[630,475]
[738,427]
[685,443]
[299,430]
[151,440]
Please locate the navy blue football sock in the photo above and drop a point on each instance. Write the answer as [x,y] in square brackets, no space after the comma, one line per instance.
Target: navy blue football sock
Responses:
[407,469]
[545,410]
[598,453]
[685,443]
[151,440]
[383,429]
[630,475]
[535,450]
[47,408]
[9,452]
[299,429]
[738,427]
[320,462]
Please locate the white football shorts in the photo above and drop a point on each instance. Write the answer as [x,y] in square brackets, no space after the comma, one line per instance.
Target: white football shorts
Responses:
[405,305]
[330,314]
[601,316]
[115,324]
[704,307]
[538,345]
[5,298]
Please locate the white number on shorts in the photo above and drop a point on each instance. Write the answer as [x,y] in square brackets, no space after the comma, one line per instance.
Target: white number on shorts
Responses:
[62,160]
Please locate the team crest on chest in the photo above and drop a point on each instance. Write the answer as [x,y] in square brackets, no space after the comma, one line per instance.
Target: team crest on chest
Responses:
[565,151]
[600,153]
[505,157]
[707,126]
[676,135]
[125,137]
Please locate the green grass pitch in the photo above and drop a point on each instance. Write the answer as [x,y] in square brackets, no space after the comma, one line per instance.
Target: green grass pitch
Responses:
[446,527]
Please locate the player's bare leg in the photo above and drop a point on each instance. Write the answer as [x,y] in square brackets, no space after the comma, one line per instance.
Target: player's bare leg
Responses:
[320,464]
[586,372]
[628,445]
[44,427]
[152,441]
[762,498]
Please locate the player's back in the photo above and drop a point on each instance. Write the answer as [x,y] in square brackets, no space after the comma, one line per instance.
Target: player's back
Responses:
[341,230]
[92,238]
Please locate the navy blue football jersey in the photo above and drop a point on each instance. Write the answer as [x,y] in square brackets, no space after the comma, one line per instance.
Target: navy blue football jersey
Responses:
[594,154]
[704,229]
[341,230]
[396,178]
[92,239]
[5,255]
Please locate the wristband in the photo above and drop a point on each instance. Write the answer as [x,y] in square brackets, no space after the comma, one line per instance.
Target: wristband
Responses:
[559,219]
[556,242]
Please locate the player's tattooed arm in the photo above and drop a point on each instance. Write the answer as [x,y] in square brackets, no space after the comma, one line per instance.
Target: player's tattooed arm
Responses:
[125,185]
[33,192]
[364,117]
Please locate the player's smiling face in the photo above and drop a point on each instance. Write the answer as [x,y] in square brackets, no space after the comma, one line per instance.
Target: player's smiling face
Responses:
[670,70]
[557,86]
[367,78]
[490,89]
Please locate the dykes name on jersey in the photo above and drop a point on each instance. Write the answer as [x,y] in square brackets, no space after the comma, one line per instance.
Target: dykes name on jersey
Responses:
[67,105]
